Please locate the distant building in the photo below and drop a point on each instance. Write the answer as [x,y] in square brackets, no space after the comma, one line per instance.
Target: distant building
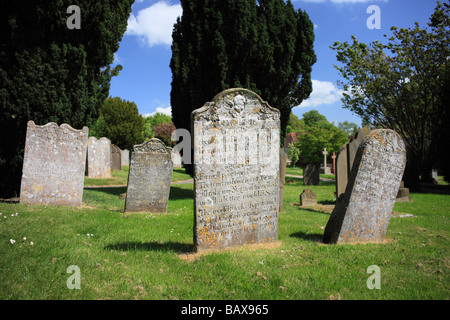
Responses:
[291,138]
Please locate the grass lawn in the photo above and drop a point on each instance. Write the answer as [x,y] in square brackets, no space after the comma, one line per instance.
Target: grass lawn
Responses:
[120,178]
[149,256]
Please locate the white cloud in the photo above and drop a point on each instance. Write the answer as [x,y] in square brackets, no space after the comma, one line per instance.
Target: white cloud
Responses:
[342,1]
[116,59]
[324,92]
[154,24]
[314,1]
[163,110]
[167,110]
[356,1]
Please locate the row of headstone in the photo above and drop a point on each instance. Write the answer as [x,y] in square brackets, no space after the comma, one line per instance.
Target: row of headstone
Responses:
[56,159]
[345,159]
[104,157]
[237,189]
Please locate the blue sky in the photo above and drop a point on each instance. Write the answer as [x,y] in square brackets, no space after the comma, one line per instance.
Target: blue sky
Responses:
[145,50]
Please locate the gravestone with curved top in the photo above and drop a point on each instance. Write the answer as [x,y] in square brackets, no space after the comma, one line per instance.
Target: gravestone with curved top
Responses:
[236,171]
[149,177]
[54,165]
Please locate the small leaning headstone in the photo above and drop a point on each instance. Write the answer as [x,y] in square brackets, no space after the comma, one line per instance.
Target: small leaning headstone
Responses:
[149,178]
[116,157]
[363,213]
[311,175]
[403,194]
[308,198]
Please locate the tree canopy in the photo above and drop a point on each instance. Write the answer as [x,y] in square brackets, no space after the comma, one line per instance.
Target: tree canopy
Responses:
[265,46]
[49,72]
[403,84]
[120,122]
[320,134]
[349,127]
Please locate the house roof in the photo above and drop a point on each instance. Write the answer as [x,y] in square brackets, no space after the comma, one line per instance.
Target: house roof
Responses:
[291,138]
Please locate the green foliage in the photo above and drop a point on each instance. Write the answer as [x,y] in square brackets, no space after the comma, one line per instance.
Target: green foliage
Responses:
[153,122]
[50,73]
[293,153]
[402,85]
[320,134]
[349,127]
[296,124]
[163,131]
[98,128]
[120,122]
[264,46]
[313,118]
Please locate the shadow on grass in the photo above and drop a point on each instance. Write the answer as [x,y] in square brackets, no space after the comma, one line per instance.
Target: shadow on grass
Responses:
[293,181]
[316,209]
[433,188]
[177,193]
[313,237]
[152,246]
[115,191]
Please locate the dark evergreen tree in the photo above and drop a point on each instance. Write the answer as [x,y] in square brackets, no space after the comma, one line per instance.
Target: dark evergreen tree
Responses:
[120,122]
[265,46]
[49,72]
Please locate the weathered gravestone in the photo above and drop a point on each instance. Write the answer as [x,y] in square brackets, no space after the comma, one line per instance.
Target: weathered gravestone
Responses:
[308,198]
[99,158]
[333,170]
[176,159]
[363,213]
[236,171]
[403,194]
[311,175]
[116,158]
[345,158]
[53,165]
[283,161]
[125,160]
[149,177]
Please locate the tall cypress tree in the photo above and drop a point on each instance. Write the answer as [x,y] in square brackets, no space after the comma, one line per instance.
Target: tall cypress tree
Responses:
[49,72]
[265,46]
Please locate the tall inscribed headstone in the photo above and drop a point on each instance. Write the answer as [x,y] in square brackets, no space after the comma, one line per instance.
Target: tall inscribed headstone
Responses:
[53,165]
[149,177]
[99,158]
[363,213]
[236,171]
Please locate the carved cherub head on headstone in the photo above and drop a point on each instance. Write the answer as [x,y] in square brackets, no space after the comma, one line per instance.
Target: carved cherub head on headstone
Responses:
[236,104]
